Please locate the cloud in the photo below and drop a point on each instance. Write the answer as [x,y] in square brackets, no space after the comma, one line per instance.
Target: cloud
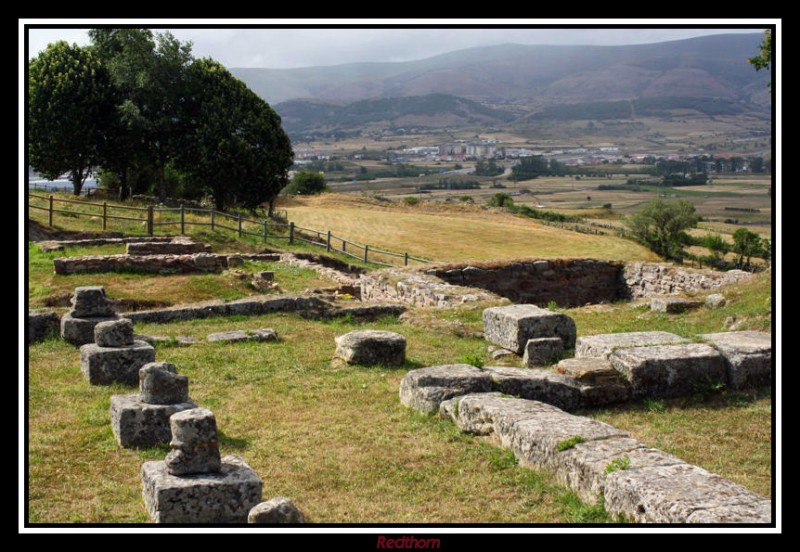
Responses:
[285,48]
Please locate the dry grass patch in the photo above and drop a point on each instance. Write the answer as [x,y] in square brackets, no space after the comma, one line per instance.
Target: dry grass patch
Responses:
[454,235]
[336,439]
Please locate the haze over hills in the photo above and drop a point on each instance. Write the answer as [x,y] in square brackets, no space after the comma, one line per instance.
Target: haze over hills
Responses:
[537,76]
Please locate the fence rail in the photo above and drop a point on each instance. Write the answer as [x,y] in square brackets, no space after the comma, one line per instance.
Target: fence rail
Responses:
[161,217]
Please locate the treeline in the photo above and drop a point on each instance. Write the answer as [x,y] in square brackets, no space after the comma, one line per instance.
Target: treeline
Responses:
[154,119]
[536,166]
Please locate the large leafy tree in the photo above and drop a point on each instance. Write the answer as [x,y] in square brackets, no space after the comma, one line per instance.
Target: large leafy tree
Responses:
[150,73]
[70,105]
[661,225]
[234,144]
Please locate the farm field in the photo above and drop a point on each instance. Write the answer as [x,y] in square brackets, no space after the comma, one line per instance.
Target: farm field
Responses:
[452,234]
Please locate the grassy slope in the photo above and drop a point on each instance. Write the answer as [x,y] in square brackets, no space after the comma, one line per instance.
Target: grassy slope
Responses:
[451,234]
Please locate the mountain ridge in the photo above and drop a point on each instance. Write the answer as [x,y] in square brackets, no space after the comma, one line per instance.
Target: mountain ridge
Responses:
[538,75]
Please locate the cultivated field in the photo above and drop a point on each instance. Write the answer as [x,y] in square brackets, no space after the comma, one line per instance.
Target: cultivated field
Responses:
[452,233]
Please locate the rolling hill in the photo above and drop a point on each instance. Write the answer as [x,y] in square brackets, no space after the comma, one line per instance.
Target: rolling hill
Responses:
[429,111]
[537,75]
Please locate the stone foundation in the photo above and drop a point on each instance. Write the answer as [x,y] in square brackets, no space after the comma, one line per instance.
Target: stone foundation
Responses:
[175,247]
[80,331]
[595,460]
[107,365]
[568,282]
[224,497]
[42,324]
[136,423]
[648,279]
[370,347]
[511,327]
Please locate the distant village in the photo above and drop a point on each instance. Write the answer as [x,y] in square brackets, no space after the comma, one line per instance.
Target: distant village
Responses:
[464,150]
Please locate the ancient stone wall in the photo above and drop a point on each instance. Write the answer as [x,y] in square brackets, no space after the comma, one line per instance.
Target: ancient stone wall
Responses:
[166,248]
[421,290]
[156,264]
[568,282]
[646,279]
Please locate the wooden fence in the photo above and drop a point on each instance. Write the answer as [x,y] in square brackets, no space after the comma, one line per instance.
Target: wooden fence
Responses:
[153,218]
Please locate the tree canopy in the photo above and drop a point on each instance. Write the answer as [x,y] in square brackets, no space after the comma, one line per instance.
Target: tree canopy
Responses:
[70,106]
[307,183]
[235,142]
[661,226]
[137,104]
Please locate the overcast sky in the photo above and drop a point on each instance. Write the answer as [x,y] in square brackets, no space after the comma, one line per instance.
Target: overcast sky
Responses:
[284,48]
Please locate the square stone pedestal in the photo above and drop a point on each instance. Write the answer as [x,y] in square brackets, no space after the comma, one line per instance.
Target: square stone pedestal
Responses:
[80,331]
[138,424]
[224,497]
[107,365]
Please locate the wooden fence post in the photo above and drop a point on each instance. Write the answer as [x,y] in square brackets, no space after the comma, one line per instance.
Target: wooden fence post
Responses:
[406,258]
[150,228]
[50,215]
[105,214]
[328,242]
[265,230]
[182,219]
[291,233]
[366,252]
[212,219]
[240,226]
[344,246]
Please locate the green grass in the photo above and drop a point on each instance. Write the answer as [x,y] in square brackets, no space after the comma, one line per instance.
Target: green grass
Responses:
[728,433]
[335,439]
[567,444]
[43,283]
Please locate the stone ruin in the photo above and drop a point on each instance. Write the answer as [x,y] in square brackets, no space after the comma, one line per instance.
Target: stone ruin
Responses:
[370,347]
[42,324]
[116,356]
[600,462]
[142,420]
[523,409]
[567,282]
[193,484]
[90,306]
[278,510]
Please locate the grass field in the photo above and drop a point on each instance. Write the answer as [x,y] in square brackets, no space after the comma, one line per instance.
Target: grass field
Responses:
[337,440]
[47,289]
[452,234]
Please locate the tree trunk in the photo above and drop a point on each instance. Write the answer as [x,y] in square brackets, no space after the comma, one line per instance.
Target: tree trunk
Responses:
[77,181]
[271,206]
[219,201]
[161,184]
[124,188]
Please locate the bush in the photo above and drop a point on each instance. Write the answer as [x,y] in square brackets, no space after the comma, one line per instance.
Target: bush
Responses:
[411,200]
[661,226]
[501,200]
[307,183]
